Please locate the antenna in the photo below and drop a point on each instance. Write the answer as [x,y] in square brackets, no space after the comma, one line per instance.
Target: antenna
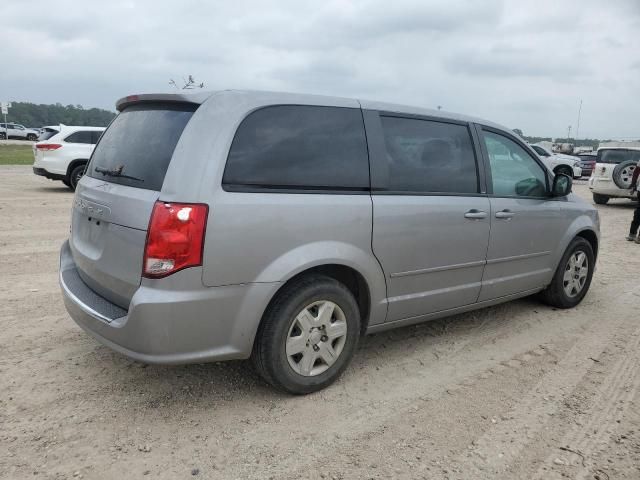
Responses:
[578,123]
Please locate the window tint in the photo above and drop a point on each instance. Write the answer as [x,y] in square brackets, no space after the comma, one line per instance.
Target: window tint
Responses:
[617,155]
[294,146]
[428,156]
[514,172]
[139,144]
[82,136]
[95,136]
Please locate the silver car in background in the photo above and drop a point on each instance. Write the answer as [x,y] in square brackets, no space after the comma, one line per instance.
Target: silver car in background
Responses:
[282,227]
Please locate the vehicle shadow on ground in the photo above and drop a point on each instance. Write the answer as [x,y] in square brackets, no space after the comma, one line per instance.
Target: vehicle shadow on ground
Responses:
[200,385]
[53,189]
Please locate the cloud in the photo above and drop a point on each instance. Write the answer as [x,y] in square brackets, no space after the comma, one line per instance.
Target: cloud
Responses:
[523,64]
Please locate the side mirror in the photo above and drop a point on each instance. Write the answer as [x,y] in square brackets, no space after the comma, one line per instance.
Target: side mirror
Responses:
[562,185]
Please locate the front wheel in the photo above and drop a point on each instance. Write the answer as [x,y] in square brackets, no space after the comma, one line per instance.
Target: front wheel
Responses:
[3,136]
[573,276]
[308,335]
[600,199]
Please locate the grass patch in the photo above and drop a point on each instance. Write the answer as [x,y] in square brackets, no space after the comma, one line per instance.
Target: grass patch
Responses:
[16,155]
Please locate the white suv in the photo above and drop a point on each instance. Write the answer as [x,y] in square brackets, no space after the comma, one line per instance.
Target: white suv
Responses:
[611,177]
[14,130]
[559,162]
[64,155]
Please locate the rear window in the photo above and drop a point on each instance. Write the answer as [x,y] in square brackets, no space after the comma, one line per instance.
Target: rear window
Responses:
[617,155]
[299,147]
[47,133]
[138,145]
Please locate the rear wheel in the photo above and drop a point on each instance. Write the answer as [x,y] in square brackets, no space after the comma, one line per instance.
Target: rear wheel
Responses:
[308,335]
[75,176]
[3,136]
[600,199]
[32,137]
[573,276]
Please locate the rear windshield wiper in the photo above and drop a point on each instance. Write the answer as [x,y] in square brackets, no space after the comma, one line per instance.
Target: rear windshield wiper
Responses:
[116,172]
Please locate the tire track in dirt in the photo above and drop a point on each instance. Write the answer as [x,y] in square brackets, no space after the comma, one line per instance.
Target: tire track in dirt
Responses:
[500,447]
[614,397]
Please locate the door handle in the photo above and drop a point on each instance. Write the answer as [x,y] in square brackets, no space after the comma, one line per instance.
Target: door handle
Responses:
[505,214]
[475,214]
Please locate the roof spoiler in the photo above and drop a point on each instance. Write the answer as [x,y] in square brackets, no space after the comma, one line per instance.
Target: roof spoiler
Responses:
[195,98]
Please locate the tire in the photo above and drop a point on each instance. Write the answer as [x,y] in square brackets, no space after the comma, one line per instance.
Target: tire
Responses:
[31,137]
[306,371]
[556,294]
[622,174]
[564,170]
[66,182]
[75,176]
[599,199]
[3,136]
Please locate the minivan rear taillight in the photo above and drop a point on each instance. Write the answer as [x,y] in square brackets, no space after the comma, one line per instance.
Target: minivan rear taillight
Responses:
[175,238]
[48,146]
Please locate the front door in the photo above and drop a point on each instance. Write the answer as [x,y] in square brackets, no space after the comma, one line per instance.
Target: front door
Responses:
[430,217]
[526,223]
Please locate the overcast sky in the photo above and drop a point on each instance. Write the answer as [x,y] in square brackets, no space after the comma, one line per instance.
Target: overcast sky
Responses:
[525,64]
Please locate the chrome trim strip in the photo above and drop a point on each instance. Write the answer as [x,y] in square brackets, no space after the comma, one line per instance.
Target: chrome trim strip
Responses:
[456,266]
[517,257]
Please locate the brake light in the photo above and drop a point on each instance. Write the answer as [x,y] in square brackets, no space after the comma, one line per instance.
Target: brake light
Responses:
[48,146]
[175,238]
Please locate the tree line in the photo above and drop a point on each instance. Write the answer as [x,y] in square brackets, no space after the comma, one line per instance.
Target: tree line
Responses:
[35,116]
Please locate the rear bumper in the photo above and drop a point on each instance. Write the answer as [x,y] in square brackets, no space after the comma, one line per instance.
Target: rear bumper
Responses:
[606,186]
[44,173]
[165,324]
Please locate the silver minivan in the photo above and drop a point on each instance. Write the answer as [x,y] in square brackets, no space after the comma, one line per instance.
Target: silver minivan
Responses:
[282,227]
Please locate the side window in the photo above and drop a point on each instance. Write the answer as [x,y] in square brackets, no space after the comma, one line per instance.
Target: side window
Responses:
[513,171]
[82,136]
[95,136]
[429,156]
[291,146]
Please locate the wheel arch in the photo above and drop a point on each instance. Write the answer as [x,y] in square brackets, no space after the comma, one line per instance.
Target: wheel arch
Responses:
[347,275]
[73,164]
[591,237]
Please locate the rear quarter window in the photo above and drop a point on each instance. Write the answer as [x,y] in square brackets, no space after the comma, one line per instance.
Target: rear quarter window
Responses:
[81,136]
[299,147]
[137,147]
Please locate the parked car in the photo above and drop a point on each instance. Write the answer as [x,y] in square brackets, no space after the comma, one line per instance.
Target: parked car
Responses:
[64,155]
[559,162]
[281,227]
[587,163]
[15,130]
[614,168]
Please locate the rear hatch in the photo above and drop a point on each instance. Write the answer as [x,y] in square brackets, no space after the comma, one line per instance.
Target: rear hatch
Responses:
[608,159]
[114,201]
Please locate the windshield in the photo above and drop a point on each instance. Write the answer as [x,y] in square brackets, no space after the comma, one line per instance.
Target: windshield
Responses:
[540,150]
[617,155]
[138,145]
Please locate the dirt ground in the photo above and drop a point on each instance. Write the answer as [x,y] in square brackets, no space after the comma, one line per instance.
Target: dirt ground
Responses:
[518,391]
